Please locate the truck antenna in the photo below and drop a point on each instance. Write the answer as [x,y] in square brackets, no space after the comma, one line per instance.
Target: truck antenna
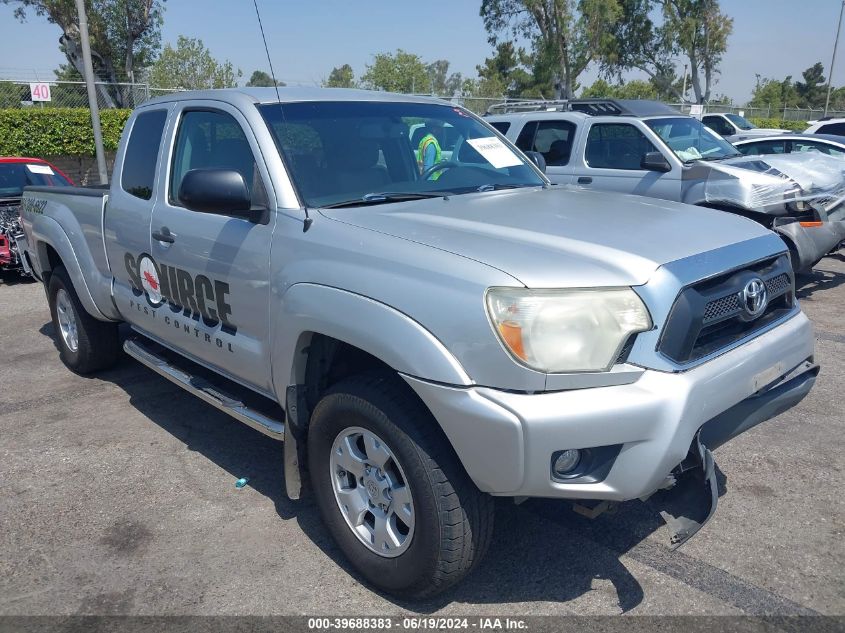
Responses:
[267,50]
[308,219]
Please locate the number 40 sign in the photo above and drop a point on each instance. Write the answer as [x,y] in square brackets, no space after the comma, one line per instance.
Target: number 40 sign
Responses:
[40,91]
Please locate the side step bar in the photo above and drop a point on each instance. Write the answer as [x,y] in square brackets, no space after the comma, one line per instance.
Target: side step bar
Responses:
[204,390]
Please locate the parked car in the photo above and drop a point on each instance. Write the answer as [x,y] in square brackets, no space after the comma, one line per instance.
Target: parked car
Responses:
[827,125]
[647,148]
[829,144]
[735,127]
[432,342]
[15,174]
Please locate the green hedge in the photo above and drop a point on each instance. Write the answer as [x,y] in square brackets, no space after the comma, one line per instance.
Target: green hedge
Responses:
[56,131]
[794,126]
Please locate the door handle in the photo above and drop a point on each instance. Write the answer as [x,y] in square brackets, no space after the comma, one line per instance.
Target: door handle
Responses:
[164,235]
[585,180]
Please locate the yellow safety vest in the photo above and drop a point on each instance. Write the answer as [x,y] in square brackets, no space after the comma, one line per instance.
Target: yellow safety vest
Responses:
[426,141]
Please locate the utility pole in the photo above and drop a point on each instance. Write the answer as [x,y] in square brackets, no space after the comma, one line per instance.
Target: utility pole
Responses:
[833,59]
[92,95]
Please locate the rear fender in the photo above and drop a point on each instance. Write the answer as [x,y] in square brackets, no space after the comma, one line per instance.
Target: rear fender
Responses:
[96,296]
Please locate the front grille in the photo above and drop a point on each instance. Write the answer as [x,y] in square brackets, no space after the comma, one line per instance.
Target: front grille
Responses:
[720,308]
[710,315]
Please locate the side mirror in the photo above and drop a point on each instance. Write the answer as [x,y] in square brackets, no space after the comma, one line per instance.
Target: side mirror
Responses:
[219,191]
[537,159]
[655,161]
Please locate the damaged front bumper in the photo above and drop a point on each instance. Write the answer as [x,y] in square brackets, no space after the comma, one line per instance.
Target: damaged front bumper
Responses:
[634,435]
[692,492]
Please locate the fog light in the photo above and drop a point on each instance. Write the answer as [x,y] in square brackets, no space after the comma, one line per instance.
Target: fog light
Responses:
[566,461]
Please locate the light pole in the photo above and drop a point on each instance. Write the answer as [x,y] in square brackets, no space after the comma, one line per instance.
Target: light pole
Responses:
[833,59]
[92,95]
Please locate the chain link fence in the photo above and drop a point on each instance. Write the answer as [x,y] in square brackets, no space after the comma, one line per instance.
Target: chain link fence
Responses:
[15,93]
[784,114]
[73,94]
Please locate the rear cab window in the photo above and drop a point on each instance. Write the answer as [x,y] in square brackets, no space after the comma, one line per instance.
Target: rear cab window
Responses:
[139,163]
[14,176]
[501,126]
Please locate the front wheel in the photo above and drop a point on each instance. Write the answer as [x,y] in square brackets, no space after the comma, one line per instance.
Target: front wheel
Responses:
[391,490]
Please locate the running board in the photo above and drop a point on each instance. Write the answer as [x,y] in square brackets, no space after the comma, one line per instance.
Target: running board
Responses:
[204,390]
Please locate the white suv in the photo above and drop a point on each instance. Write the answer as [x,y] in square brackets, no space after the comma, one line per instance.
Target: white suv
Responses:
[827,125]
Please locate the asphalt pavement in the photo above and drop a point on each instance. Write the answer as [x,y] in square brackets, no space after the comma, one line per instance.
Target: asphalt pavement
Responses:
[117,496]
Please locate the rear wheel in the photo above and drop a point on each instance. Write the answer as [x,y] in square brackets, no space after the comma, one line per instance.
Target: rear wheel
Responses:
[85,343]
[391,490]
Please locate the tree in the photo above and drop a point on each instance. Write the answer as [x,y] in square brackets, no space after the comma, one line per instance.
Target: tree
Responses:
[442,83]
[812,91]
[260,79]
[566,35]
[191,66]
[691,29]
[774,94]
[635,89]
[125,36]
[515,73]
[701,31]
[397,72]
[341,77]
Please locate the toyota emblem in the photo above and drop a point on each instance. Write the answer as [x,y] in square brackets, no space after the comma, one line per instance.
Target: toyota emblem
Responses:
[754,297]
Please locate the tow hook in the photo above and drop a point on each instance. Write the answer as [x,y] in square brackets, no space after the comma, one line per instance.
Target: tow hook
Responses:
[688,505]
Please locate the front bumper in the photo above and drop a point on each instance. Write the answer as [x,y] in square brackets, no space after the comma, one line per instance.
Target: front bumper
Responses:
[506,440]
[814,242]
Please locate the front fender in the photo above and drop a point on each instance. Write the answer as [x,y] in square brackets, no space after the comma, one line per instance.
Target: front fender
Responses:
[47,231]
[374,327]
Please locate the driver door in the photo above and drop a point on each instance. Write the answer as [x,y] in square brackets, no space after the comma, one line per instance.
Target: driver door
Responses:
[212,267]
[612,156]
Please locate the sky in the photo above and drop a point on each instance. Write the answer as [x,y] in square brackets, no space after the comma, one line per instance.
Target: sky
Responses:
[773,38]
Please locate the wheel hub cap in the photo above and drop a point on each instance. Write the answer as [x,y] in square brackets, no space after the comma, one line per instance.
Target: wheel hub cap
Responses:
[372,492]
[67,320]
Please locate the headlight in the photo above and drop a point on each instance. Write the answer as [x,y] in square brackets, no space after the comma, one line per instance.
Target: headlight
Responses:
[558,331]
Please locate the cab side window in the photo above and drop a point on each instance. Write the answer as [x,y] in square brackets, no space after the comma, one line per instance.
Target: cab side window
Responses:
[718,125]
[763,147]
[553,139]
[141,159]
[616,146]
[209,139]
[811,146]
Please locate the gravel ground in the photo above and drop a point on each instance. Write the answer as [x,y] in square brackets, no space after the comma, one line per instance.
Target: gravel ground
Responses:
[117,496]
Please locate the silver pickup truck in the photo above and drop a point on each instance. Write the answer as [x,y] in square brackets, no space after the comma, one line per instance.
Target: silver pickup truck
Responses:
[422,339]
[650,149]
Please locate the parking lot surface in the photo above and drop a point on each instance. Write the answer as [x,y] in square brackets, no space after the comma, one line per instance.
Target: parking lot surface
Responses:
[117,496]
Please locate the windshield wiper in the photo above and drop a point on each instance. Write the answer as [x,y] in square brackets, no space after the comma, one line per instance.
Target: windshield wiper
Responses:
[369,199]
[689,161]
[498,186]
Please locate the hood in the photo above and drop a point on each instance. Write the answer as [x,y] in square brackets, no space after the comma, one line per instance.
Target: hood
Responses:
[813,171]
[558,237]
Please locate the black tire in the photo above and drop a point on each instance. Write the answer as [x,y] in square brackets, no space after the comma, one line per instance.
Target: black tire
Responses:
[98,342]
[454,520]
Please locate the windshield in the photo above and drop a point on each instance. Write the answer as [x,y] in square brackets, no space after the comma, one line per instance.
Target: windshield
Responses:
[15,176]
[342,153]
[740,121]
[691,140]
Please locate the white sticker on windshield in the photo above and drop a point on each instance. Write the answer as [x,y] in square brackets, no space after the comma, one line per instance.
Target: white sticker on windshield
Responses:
[40,169]
[495,152]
